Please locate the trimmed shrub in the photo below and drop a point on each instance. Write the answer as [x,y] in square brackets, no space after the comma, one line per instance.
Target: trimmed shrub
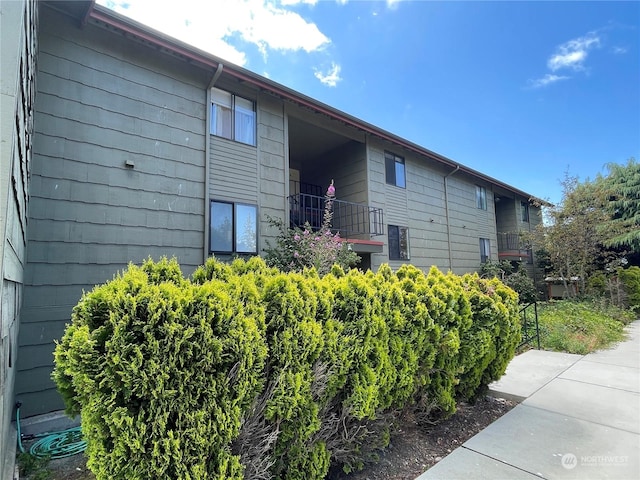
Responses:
[630,278]
[246,372]
[162,372]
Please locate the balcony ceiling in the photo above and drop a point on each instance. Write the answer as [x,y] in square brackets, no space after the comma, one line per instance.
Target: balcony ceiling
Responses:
[307,141]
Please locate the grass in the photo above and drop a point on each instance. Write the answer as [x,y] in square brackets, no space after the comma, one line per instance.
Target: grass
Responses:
[581,326]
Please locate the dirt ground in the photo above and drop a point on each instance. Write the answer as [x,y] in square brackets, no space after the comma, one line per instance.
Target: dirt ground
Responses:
[412,451]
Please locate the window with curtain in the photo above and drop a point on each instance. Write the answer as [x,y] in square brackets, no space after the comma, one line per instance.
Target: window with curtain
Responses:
[485,250]
[481,197]
[233,117]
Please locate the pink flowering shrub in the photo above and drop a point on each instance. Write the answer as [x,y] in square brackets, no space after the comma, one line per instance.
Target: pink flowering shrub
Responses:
[300,248]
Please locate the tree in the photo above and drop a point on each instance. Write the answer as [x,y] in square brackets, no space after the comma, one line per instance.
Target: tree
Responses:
[619,192]
[572,240]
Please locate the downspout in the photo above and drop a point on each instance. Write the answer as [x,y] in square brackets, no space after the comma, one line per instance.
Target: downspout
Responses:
[446,213]
[207,159]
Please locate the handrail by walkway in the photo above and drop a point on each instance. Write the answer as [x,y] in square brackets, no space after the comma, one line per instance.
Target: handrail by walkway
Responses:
[530,328]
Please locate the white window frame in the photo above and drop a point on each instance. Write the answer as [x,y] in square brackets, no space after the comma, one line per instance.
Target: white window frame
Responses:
[481,197]
[233,117]
[485,250]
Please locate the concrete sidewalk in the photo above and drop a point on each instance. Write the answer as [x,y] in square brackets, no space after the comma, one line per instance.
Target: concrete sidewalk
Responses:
[579,419]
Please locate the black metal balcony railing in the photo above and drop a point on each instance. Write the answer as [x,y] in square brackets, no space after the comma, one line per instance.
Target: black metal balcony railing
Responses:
[349,219]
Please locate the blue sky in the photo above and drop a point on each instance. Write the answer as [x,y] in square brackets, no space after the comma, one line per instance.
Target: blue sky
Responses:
[521,91]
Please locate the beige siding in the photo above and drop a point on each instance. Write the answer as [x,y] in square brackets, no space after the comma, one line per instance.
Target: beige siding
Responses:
[427,217]
[104,101]
[17,91]
[273,171]
[347,167]
[234,171]
[506,213]
[469,223]
[421,207]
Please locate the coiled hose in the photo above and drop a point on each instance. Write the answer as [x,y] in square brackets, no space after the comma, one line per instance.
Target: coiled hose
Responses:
[65,443]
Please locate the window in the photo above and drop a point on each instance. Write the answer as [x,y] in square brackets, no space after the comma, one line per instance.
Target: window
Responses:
[233,117]
[524,211]
[481,197]
[234,228]
[398,242]
[485,250]
[394,170]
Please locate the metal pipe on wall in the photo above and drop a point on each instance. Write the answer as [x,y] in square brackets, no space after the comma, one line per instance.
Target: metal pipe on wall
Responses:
[207,159]
[446,214]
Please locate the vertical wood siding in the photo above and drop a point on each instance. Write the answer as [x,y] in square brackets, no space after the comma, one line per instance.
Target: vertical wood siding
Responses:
[347,167]
[102,101]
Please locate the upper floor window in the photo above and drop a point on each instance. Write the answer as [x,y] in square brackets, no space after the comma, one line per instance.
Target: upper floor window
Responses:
[481,197]
[398,242]
[524,211]
[233,228]
[485,250]
[394,170]
[233,117]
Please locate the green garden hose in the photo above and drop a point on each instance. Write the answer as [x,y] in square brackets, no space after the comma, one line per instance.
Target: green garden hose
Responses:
[65,443]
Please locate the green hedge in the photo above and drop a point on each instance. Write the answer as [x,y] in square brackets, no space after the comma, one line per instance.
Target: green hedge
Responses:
[246,372]
[630,278]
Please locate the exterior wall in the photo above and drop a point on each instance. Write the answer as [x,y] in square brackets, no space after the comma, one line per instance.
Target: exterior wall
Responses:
[535,219]
[17,90]
[104,100]
[253,174]
[347,167]
[274,168]
[507,215]
[509,220]
[469,223]
[421,207]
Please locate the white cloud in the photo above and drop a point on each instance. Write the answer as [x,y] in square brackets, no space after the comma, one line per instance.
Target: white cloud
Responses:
[296,2]
[619,50]
[548,79]
[573,53]
[331,77]
[393,3]
[211,25]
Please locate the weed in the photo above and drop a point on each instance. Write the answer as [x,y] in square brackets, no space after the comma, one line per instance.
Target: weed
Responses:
[32,467]
[581,326]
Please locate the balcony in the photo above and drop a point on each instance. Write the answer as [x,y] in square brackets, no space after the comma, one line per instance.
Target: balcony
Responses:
[511,247]
[349,219]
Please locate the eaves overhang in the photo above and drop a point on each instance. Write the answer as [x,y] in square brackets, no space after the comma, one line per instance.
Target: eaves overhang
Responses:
[86,11]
